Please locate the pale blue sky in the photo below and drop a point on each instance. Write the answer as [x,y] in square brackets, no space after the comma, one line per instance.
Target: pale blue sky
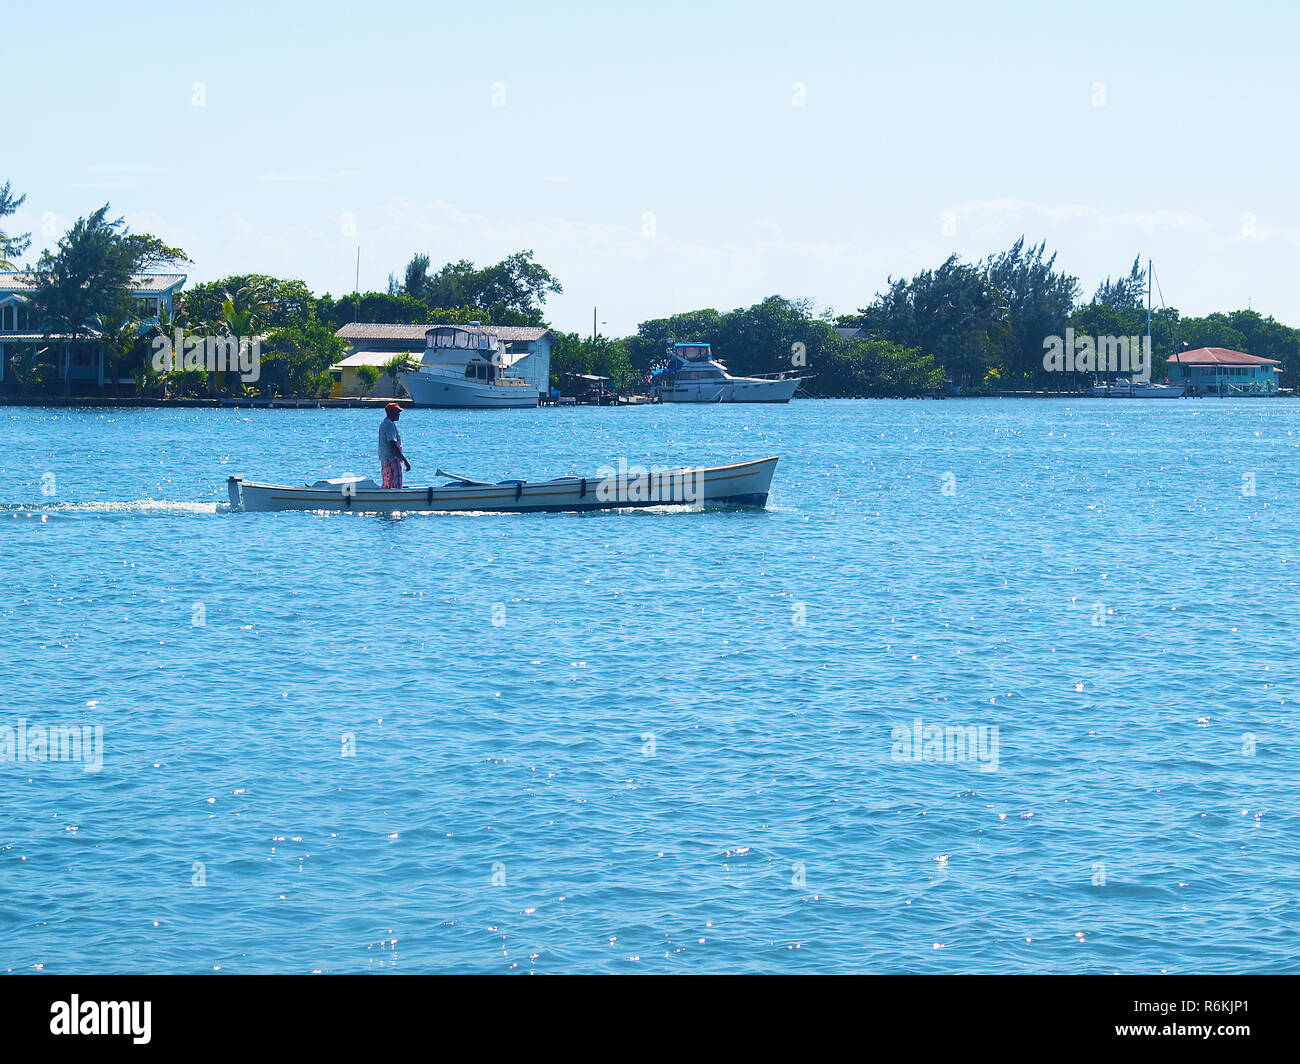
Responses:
[654,157]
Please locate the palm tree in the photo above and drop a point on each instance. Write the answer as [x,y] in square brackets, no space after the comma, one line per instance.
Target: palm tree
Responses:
[119,332]
[170,318]
[242,312]
[31,366]
[11,245]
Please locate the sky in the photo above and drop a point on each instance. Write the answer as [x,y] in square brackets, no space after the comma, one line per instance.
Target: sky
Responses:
[667,157]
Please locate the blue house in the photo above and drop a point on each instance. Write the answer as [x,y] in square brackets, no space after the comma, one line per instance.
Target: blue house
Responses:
[1222,371]
[85,367]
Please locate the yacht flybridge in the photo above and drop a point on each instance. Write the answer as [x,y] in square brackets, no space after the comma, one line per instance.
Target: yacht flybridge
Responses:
[694,376]
[465,366]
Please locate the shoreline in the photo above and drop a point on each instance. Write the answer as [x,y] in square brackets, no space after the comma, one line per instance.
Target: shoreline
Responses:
[135,403]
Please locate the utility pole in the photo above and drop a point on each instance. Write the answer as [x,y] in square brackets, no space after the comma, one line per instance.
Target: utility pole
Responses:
[356,291]
[593,325]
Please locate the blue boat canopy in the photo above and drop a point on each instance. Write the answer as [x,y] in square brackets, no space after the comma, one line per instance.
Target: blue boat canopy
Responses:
[692,349]
[684,353]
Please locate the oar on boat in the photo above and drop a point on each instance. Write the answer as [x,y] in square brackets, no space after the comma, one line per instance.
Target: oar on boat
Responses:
[440,472]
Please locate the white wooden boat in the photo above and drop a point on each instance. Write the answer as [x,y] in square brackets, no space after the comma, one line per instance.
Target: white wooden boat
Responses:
[738,484]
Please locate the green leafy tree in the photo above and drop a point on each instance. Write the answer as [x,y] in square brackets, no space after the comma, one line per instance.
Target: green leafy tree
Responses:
[774,336]
[455,285]
[602,356]
[89,273]
[1213,330]
[1125,293]
[613,361]
[277,302]
[863,368]
[369,377]
[954,313]
[1034,301]
[570,355]
[517,286]
[188,383]
[511,292]
[293,358]
[647,350]
[396,308]
[416,277]
[782,335]
[397,364]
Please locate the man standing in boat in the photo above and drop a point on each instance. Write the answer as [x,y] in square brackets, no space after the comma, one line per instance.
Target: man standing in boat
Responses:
[391,458]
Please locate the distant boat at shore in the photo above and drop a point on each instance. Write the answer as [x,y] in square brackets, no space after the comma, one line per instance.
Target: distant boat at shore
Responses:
[463,366]
[1127,388]
[694,376]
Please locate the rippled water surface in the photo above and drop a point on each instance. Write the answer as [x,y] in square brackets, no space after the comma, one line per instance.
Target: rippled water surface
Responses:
[656,740]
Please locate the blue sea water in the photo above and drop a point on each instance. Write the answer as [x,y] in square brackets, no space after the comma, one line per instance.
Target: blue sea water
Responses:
[659,741]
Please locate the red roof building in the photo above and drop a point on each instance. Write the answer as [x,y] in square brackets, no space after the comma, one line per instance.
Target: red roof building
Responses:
[1222,371]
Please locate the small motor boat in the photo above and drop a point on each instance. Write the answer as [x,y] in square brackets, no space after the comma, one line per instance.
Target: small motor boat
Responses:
[741,484]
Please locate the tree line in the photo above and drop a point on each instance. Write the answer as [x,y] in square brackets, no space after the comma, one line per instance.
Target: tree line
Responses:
[976,326]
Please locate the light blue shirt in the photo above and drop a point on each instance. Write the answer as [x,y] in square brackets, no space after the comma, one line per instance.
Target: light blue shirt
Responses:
[389,439]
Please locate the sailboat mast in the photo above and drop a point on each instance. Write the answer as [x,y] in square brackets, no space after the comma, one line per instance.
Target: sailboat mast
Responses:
[1148,303]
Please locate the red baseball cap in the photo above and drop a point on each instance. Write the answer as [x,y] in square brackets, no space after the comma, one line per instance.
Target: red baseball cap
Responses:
[392,408]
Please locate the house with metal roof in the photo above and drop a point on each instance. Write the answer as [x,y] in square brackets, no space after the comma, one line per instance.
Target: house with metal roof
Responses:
[85,367]
[1222,371]
[347,377]
[526,349]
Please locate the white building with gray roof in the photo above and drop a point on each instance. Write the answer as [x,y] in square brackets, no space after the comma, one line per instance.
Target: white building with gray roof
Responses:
[84,368]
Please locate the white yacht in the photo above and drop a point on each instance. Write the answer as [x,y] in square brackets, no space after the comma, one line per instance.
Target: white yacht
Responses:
[694,376]
[465,366]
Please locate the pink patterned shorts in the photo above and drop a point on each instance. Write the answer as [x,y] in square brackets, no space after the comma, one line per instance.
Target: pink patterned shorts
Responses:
[392,471]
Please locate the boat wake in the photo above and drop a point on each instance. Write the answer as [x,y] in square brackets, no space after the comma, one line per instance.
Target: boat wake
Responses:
[174,508]
[111,508]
